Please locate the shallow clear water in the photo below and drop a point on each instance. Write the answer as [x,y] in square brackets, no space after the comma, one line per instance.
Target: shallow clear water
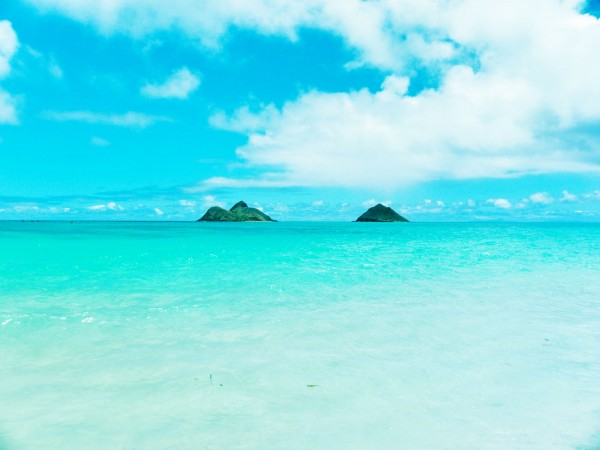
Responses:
[299,335]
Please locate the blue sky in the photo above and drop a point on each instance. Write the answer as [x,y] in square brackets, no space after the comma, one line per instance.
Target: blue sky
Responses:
[153,110]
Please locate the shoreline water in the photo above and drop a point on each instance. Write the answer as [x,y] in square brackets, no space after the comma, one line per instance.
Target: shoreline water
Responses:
[299,335]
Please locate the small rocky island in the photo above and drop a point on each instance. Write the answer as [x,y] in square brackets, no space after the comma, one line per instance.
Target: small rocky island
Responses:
[380,213]
[240,212]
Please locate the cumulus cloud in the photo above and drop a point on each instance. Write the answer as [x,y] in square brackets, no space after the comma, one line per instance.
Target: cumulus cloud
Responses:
[518,87]
[387,34]
[372,202]
[8,108]
[568,197]
[9,43]
[224,182]
[26,208]
[541,198]
[129,119]
[474,125]
[57,210]
[500,203]
[595,195]
[158,211]
[362,23]
[110,206]
[18,210]
[513,114]
[180,85]
[211,200]
[8,46]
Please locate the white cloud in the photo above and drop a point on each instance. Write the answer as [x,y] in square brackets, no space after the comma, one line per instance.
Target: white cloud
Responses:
[500,203]
[224,182]
[595,195]
[505,119]
[8,46]
[211,200]
[568,197]
[373,202]
[473,126]
[541,198]
[38,210]
[110,206]
[99,142]
[158,211]
[113,206]
[243,120]
[8,108]
[386,33]
[180,85]
[9,43]
[57,210]
[187,203]
[129,119]
[26,208]
[433,206]
[518,81]
[317,203]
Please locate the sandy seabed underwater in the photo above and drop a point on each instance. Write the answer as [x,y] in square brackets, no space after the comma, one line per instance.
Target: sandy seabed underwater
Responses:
[299,336]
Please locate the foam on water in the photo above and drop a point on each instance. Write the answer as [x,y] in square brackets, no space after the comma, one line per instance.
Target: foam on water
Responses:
[420,336]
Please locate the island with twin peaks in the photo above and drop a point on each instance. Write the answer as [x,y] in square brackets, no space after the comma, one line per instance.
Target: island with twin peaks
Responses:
[240,212]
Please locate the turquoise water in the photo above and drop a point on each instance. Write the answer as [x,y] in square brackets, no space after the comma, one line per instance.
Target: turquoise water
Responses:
[299,336]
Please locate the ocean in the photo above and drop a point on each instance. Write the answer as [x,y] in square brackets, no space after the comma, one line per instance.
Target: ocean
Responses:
[299,336]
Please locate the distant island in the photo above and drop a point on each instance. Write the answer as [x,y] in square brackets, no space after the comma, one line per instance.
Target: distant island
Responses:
[380,213]
[240,212]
